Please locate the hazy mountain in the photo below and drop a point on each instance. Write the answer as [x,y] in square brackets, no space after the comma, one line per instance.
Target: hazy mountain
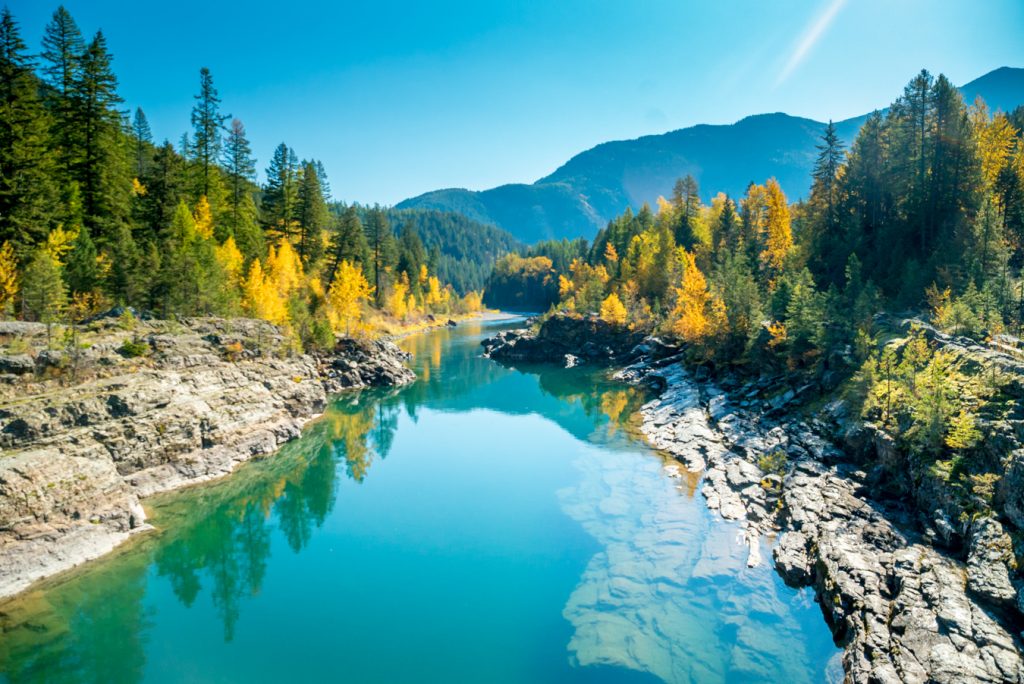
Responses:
[592,187]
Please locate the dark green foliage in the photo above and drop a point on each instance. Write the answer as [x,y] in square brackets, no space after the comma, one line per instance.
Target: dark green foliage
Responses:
[312,215]
[460,250]
[347,243]
[383,251]
[43,294]
[207,127]
[281,194]
[134,348]
[28,196]
[80,271]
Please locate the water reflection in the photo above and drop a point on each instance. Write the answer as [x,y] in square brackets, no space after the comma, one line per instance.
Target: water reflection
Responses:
[662,577]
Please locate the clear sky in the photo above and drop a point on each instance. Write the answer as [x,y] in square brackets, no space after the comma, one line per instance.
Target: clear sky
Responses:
[398,98]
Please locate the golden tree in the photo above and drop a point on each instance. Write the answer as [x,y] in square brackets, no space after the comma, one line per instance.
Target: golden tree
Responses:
[261,298]
[204,218]
[778,239]
[696,312]
[8,277]
[230,258]
[284,268]
[397,303]
[612,310]
[345,300]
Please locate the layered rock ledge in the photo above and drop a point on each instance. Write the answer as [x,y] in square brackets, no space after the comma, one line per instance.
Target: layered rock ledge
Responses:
[904,603]
[140,409]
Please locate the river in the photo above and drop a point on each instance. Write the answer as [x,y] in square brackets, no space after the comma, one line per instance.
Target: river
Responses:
[485,524]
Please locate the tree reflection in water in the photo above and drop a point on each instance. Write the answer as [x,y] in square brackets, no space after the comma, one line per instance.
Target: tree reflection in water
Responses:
[215,538]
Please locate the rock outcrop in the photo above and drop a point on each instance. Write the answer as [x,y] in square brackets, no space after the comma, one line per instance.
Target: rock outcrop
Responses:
[562,338]
[911,591]
[83,439]
[903,610]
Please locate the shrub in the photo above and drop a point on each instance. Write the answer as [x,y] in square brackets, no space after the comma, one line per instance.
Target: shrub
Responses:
[133,348]
[773,463]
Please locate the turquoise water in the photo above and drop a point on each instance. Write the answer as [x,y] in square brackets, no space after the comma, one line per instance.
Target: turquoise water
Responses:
[485,524]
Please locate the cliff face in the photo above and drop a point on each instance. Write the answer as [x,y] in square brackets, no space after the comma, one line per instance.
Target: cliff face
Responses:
[86,435]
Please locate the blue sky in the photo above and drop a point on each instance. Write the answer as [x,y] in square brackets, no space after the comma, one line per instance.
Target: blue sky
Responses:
[398,98]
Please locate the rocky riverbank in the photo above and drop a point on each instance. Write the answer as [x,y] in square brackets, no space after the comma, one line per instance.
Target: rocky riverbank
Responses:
[911,593]
[132,408]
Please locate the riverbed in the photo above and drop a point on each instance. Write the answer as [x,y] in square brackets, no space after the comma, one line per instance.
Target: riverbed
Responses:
[485,524]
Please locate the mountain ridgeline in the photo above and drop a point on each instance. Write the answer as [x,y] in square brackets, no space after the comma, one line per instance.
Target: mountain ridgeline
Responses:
[593,187]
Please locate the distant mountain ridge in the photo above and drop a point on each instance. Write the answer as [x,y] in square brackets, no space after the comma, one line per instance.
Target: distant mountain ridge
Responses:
[583,194]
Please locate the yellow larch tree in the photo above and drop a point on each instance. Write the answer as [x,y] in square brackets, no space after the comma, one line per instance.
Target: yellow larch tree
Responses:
[59,242]
[436,298]
[204,218]
[694,312]
[612,310]
[349,292]
[995,136]
[778,240]
[397,303]
[261,298]
[8,277]
[284,268]
[230,258]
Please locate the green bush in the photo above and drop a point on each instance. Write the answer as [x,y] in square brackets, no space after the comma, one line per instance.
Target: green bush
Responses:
[774,463]
[133,348]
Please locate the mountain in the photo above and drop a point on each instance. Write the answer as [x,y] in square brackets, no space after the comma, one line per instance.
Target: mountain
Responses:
[582,195]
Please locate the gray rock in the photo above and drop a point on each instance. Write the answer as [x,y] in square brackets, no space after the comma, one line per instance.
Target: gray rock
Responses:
[17,364]
[988,576]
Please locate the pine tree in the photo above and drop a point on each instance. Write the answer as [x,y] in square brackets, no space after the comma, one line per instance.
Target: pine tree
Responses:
[42,290]
[383,250]
[165,189]
[207,126]
[312,215]
[280,196]
[348,242]
[686,200]
[63,52]
[101,170]
[81,272]
[28,195]
[241,174]
[143,142]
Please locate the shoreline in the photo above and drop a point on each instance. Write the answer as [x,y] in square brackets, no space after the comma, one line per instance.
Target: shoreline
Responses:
[901,609]
[77,462]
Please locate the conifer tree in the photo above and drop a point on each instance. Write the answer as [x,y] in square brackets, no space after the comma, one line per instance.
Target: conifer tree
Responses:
[240,218]
[778,231]
[312,215]
[612,310]
[101,171]
[43,295]
[348,242]
[63,52]
[28,196]
[143,142]
[207,127]
[382,249]
[81,272]
[281,194]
